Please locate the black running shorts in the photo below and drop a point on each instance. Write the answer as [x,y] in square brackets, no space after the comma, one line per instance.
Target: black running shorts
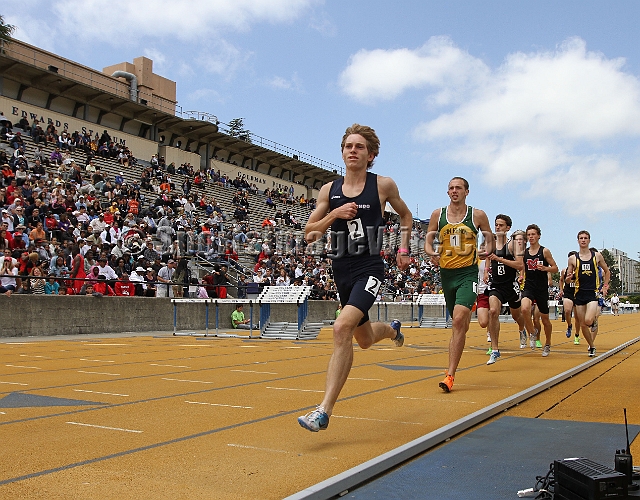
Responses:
[358,281]
[541,297]
[507,293]
[583,297]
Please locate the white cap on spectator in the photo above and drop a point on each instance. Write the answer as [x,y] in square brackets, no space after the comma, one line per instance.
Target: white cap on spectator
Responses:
[139,269]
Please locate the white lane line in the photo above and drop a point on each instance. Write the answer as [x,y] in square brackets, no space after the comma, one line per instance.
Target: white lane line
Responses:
[2,413]
[100,343]
[97,360]
[385,349]
[250,346]
[107,393]
[22,366]
[34,356]
[271,450]
[219,404]
[438,399]
[193,381]
[292,347]
[486,386]
[204,344]
[254,371]
[170,366]
[104,427]
[21,343]
[97,373]
[378,420]
[13,383]
[289,389]
[370,379]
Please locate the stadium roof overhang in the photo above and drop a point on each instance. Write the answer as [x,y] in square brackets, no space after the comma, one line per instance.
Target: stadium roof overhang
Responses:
[56,85]
[282,162]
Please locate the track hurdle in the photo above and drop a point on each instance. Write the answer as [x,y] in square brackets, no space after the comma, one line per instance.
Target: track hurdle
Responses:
[217,303]
[433,299]
[284,295]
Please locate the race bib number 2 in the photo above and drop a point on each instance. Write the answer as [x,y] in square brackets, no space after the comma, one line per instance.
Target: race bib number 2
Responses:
[373,285]
[356,229]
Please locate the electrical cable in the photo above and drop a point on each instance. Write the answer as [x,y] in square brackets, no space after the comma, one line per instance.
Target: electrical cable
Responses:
[545,485]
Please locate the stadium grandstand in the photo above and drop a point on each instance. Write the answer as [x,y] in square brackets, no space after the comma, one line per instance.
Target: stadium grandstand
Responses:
[158,201]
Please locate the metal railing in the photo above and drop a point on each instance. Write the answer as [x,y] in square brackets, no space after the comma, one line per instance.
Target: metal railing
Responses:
[196,115]
[288,151]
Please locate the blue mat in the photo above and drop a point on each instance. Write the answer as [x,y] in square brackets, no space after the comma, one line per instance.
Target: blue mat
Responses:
[497,460]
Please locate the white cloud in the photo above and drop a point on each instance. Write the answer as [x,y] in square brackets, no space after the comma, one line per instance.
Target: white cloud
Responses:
[384,74]
[553,122]
[221,58]
[323,24]
[158,58]
[280,83]
[122,20]
[33,31]
[592,186]
[205,94]
[577,94]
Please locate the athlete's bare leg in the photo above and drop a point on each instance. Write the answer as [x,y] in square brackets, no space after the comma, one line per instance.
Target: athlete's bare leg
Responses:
[483,317]
[567,307]
[546,323]
[459,327]
[536,321]
[525,309]
[518,317]
[585,316]
[345,329]
[495,306]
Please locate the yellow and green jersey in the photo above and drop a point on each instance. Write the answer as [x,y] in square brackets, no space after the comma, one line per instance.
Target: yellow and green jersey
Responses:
[458,241]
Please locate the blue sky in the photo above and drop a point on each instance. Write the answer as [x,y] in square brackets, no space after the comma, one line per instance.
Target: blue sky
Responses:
[537,104]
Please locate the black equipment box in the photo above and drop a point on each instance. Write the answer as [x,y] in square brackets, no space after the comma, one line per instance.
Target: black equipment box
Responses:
[582,479]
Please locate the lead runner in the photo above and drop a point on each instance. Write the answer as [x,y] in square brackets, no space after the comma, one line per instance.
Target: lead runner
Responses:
[353,208]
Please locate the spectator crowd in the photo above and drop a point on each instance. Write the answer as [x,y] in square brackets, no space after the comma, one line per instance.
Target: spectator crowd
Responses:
[68,228]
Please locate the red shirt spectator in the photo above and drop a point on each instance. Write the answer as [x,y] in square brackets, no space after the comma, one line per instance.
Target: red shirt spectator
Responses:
[101,286]
[124,287]
[51,222]
[230,254]
[17,242]
[108,218]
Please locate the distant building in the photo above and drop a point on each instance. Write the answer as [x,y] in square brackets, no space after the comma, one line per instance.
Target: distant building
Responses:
[628,271]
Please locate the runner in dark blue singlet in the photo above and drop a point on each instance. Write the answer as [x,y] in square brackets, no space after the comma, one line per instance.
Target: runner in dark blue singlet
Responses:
[352,209]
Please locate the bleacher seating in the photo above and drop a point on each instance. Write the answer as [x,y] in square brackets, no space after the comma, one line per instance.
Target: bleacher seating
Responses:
[223,195]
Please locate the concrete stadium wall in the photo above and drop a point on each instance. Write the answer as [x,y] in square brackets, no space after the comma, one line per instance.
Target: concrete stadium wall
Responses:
[29,315]
[14,110]
[179,156]
[262,180]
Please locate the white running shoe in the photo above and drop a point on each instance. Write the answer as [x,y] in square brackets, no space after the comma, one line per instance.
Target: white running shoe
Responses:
[495,356]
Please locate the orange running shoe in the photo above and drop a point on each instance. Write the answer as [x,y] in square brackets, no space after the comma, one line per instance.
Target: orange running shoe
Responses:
[447,384]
